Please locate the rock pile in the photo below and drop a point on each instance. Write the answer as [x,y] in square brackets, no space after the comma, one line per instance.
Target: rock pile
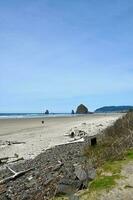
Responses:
[62,169]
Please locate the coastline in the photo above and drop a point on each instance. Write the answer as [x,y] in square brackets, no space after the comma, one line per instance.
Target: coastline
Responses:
[51,115]
[56,166]
[37,137]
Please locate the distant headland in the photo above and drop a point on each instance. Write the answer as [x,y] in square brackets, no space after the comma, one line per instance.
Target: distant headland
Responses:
[107,109]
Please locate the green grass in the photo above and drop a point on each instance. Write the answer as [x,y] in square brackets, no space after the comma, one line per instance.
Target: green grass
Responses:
[104,182]
[107,176]
[129,154]
[113,166]
[60,198]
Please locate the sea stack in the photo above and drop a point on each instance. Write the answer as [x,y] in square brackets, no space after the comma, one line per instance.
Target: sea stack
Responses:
[72,112]
[82,109]
[46,112]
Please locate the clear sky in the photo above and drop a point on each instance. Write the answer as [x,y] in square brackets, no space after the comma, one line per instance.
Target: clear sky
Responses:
[56,54]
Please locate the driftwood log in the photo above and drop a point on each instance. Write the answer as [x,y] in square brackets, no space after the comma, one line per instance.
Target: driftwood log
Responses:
[4,160]
[14,176]
[16,160]
[14,142]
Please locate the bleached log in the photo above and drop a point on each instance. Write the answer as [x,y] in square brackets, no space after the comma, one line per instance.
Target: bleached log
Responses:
[14,176]
[14,142]
[16,160]
[5,159]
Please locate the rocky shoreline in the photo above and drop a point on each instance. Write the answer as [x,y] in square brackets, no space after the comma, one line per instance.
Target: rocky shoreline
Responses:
[62,169]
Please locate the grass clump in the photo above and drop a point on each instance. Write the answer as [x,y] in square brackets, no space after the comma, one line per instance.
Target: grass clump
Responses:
[61,197]
[104,182]
[129,154]
[99,184]
[115,140]
[113,166]
[107,176]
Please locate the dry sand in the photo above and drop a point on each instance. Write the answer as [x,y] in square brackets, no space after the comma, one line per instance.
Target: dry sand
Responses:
[39,137]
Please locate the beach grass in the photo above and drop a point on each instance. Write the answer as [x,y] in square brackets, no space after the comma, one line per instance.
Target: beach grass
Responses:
[107,177]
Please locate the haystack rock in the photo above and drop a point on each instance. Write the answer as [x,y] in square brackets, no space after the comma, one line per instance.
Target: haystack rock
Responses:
[82,109]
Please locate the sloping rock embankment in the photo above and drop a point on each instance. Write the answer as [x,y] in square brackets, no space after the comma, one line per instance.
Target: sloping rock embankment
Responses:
[62,169]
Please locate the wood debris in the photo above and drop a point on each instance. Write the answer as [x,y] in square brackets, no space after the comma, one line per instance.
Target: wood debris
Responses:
[6,160]
[15,175]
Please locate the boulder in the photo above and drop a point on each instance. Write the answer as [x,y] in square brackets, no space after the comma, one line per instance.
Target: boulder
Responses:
[80,173]
[68,185]
[85,172]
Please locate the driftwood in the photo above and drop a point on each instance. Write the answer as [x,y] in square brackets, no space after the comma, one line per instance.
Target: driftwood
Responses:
[14,176]
[76,139]
[58,166]
[18,142]
[14,142]
[5,159]
[16,160]
[3,162]
[8,142]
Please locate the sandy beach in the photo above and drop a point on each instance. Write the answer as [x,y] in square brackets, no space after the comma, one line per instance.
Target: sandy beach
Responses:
[37,137]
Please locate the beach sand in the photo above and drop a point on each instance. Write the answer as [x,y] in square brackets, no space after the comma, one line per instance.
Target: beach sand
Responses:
[38,137]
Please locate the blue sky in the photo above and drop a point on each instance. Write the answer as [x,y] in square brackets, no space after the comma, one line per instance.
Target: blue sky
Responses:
[57,54]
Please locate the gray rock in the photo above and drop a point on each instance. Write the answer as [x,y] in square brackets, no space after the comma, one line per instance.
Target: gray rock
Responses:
[91,173]
[47,174]
[80,173]
[84,172]
[68,185]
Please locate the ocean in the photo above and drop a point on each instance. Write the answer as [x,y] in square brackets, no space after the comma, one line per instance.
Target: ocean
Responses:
[32,115]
